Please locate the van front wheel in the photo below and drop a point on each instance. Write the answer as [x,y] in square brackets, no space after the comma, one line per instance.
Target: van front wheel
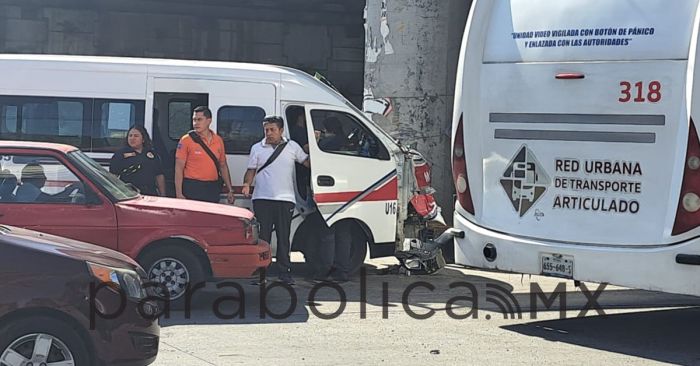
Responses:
[358,249]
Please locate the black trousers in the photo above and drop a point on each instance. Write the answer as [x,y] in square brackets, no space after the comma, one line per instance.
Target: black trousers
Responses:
[320,248]
[331,249]
[200,190]
[343,247]
[277,216]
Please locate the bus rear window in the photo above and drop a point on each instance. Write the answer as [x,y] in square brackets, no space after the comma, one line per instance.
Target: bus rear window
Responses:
[588,30]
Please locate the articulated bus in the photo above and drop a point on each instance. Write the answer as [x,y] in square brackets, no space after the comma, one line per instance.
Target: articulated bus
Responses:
[574,149]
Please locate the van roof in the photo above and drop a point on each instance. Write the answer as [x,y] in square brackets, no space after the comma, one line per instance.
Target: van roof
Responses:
[301,86]
[150,62]
[37,145]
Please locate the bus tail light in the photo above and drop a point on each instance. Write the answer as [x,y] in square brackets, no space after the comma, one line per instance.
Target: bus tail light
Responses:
[688,211]
[459,169]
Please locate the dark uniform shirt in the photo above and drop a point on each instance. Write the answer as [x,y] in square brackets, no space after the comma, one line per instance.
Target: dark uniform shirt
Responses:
[139,169]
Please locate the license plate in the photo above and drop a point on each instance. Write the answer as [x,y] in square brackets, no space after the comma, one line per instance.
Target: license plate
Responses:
[558,265]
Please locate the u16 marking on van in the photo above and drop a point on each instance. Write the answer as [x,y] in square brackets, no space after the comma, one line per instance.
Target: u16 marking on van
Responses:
[390,208]
[653,92]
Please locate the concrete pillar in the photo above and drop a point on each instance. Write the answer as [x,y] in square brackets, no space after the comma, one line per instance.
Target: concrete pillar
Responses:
[411,53]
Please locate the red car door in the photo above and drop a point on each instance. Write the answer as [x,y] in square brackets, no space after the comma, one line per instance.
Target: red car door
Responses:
[41,190]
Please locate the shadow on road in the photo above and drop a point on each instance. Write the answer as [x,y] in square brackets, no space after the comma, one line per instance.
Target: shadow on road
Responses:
[369,292]
[376,295]
[666,335]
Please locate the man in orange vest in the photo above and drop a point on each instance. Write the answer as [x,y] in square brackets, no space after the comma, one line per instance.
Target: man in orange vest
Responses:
[200,165]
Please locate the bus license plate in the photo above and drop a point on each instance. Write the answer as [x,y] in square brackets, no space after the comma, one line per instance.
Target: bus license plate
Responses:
[558,265]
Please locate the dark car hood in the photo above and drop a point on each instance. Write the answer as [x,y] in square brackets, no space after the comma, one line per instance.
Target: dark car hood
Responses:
[70,248]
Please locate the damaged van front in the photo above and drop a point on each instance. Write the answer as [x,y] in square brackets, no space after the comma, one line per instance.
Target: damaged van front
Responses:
[362,175]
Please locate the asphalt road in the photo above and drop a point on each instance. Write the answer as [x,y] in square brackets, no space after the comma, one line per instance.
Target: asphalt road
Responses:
[505,326]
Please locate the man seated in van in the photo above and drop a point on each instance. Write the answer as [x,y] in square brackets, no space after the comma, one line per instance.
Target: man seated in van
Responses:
[333,137]
[33,180]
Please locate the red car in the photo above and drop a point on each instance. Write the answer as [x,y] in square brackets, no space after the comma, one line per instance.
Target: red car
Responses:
[48,307]
[59,190]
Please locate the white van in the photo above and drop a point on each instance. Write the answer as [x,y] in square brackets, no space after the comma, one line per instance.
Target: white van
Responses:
[574,148]
[90,102]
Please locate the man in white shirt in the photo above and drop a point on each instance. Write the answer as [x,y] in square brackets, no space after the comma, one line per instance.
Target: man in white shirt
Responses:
[271,165]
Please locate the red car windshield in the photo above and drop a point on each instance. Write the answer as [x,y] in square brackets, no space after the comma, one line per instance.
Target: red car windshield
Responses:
[119,190]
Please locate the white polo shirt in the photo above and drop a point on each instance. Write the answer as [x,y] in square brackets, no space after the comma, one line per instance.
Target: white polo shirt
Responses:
[276,181]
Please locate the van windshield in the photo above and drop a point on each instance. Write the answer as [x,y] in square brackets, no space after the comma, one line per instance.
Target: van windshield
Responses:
[359,114]
[118,190]
[369,120]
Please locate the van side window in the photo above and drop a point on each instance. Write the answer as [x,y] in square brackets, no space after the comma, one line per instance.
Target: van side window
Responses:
[180,117]
[343,134]
[8,120]
[90,124]
[112,121]
[240,127]
[53,120]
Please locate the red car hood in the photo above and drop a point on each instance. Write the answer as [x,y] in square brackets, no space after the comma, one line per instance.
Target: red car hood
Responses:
[183,212]
[66,247]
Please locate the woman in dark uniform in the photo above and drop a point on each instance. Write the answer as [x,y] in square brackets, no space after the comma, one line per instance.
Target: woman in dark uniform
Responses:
[138,164]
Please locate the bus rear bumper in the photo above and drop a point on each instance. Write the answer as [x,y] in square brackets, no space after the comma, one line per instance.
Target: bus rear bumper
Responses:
[656,269]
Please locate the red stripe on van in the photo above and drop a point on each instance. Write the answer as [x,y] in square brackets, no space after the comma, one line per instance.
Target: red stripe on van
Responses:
[387,192]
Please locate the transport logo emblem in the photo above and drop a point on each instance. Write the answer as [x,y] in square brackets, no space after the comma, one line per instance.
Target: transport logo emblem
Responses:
[525,181]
